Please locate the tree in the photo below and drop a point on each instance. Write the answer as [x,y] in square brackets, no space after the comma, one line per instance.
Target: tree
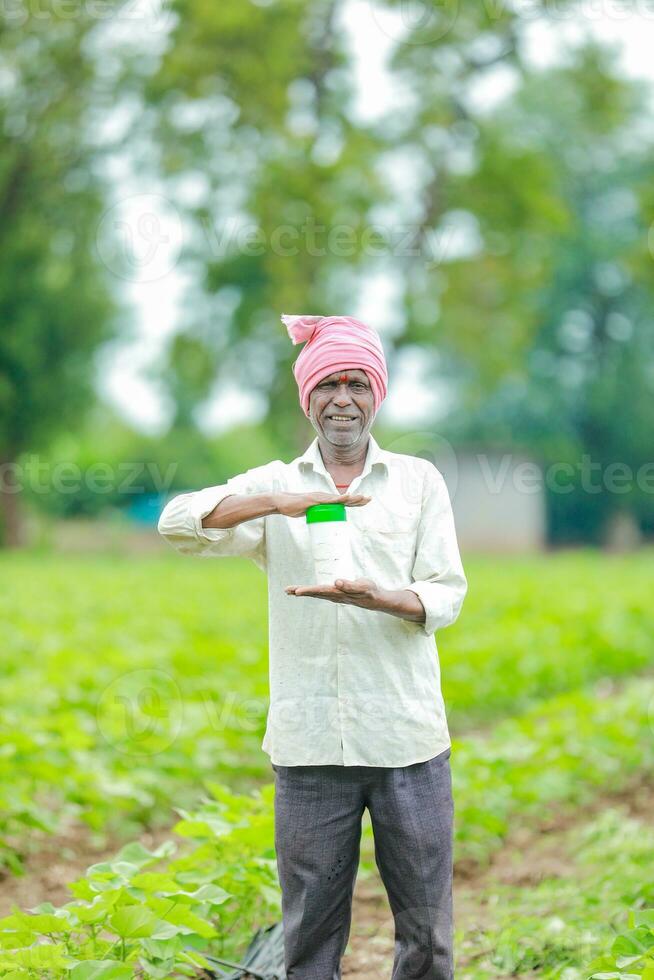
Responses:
[55,304]
[295,205]
[255,98]
[559,297]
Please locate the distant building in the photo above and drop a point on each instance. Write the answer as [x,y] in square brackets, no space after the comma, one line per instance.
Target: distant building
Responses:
[498,499]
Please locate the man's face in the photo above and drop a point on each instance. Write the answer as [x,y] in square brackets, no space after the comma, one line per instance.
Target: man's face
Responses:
[342,407]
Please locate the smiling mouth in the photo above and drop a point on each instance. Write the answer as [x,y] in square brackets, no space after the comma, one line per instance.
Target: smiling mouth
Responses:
[342,418]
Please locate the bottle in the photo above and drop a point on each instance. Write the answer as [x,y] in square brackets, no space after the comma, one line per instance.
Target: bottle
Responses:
[330,542]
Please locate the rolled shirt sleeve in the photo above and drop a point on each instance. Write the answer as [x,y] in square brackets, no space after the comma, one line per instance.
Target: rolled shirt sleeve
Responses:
[438,578]
[180,522]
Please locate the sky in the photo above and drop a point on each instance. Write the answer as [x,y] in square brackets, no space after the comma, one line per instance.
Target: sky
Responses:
[152,228]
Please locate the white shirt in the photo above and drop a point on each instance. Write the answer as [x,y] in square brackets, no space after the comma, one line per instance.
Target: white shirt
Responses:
[348,686]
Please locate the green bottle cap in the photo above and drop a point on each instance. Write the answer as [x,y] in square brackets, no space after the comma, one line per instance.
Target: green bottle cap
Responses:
[320,513]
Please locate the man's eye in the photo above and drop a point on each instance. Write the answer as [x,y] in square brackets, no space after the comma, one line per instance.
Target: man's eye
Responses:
[359,385]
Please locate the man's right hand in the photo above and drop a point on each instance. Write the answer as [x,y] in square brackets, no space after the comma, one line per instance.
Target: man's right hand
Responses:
[295,504]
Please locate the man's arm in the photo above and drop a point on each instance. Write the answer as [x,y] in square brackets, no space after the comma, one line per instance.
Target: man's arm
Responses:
[187,521]
[238,508]
[400,602]
[229,519]
[438,578]
[365,593]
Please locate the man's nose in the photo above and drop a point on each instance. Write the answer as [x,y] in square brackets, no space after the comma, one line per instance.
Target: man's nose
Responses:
[342,396]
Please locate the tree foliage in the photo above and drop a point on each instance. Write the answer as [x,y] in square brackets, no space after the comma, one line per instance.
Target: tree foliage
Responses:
[254,99]
[560,301]
[55,303]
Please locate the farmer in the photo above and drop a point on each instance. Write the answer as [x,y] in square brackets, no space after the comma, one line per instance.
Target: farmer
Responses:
[356,716]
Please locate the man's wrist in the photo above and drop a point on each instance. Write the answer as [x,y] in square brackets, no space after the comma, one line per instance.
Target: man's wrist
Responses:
[403,603]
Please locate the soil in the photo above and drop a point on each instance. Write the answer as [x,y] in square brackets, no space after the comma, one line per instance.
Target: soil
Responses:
[62,858]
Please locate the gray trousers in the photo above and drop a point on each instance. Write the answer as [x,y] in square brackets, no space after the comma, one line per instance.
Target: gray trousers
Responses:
[318,811]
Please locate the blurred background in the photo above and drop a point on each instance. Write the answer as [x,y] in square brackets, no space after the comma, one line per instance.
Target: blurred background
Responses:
[476,181]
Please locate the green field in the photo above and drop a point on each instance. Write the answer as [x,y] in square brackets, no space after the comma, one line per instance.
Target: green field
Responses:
[134,689]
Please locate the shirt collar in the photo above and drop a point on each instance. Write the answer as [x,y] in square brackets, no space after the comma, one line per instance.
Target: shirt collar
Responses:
[376,456]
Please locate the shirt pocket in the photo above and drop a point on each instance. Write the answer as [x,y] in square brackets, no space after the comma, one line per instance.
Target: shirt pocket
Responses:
[388,544]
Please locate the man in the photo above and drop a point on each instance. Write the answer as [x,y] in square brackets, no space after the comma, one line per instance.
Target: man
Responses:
[356,715]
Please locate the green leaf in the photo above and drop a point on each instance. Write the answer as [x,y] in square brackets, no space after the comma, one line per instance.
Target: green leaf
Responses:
[195,957]
[135,853]
[153,881]
[183,918]
[214,827]
[164,930]
[101,970]
[162,948]
[92,914]
[42,957]
[44,923]
[631,946]
[133,922]
[212,894]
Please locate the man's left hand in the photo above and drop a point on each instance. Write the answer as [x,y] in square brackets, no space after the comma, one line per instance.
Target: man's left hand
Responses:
[359,592]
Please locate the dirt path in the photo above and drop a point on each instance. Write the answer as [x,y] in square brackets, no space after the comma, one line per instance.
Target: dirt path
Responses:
[60,859]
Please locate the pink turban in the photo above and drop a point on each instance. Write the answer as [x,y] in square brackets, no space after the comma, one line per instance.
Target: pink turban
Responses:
[335,343]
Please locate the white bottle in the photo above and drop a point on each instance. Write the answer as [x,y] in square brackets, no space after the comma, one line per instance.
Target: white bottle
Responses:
[330,543]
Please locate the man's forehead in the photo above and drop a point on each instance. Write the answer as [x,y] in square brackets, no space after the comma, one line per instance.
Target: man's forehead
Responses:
[348,374]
